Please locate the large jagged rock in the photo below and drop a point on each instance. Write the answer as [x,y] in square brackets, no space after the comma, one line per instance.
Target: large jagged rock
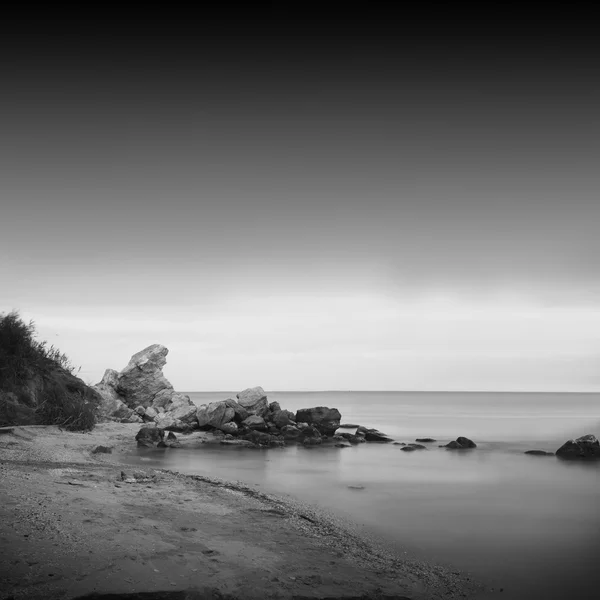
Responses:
[254,400]
[255,422]
[141,392]
[112,405]
[325,419]
[587,447]
[281,418]
[241,414]
[215,414]
[142,379]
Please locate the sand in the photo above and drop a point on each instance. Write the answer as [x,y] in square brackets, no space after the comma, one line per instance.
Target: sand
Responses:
[71,524]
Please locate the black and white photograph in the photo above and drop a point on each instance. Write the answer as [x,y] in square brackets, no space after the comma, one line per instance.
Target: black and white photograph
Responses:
[300,303]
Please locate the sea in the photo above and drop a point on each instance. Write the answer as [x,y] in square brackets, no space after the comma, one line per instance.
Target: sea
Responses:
[527,526]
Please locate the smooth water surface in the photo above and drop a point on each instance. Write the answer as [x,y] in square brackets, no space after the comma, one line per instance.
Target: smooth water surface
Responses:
[527,524]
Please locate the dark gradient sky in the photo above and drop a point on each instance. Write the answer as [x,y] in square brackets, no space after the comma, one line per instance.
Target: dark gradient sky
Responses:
[166,172]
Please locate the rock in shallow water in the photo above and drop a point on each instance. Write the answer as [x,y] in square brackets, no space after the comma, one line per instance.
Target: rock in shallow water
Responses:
[586,447]
[254,400]
[461,443]
[325,419]
[539,453]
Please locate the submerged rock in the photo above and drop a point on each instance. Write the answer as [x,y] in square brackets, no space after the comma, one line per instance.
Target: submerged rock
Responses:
[586,447]
[539,453]
[352,438]
[325,419]
[425,440]
[373,435]
[461,443]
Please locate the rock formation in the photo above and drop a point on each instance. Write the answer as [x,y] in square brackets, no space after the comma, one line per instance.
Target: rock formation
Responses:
[140,392]
[461,443]
[254,400]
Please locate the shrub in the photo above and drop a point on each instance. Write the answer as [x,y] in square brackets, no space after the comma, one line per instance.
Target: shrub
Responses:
[37,381]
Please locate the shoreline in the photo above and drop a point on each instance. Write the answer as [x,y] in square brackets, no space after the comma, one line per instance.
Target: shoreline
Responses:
[169,531]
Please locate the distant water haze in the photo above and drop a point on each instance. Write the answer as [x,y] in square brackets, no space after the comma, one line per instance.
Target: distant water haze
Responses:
[527,524]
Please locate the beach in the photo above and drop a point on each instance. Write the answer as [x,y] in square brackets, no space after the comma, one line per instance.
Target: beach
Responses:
[75,523]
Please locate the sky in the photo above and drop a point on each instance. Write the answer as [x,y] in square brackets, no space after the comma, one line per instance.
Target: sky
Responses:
[307,204]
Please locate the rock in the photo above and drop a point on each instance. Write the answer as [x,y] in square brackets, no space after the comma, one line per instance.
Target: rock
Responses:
[281,418]
[466,442]
[182,409]
[274,407]
[373,435]
[162,398]
[263,439]
[461,443]
[255,422]
[171,437]
[418,446]
[241,443]
[150,412]
[162,444]
[102,450]
[254,400]
[291,433]
[425,440]
[240,413]
[311,432]
[149,436]
[349,426]
[586,447]
[112,405]
[230,428]
[142,379]
[399,444]
[539,453]
[140,410]
[215,414]
[408,448]
[168,421]
[302,426]
[356,487]
[325,419]
[312,441]
[344,444]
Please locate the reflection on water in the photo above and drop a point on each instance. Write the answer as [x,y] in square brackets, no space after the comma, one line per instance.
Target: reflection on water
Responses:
[528,524]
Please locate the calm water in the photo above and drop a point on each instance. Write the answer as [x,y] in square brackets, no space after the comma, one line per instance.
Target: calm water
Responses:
[530,525]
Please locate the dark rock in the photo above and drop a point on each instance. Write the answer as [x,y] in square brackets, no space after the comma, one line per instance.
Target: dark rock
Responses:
[356,487]
[466,442]
[417,446]
[343,445]
[162,444]
[399,444]
[240,443]
[349,426]
[149,436]
[461,443]
[425,440]
[260,438]
[290,432]
[373,435]
[312,441]
[586,447]
[539,453]
[325,419]
[281,418]
[274,407]
[352,438]
[408,448]
[102,450]
[171,436]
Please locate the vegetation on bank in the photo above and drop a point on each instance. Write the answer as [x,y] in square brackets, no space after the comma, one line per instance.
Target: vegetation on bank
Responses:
[37,384]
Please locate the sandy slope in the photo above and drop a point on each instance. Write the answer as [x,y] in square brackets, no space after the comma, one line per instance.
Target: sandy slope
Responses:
[70,526]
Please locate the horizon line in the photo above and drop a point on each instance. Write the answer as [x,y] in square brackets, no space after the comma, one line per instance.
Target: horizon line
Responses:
[436,391]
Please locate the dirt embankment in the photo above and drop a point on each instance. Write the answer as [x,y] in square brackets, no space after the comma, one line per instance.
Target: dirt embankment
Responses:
[71,525]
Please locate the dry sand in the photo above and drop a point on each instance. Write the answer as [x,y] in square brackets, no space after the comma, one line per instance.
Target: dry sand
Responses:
[71,526]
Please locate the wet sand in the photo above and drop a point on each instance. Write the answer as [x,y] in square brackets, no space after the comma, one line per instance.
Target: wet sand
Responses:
[71,524]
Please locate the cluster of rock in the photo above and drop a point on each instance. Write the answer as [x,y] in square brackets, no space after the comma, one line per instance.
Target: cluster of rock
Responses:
[140,393]
[250,419]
